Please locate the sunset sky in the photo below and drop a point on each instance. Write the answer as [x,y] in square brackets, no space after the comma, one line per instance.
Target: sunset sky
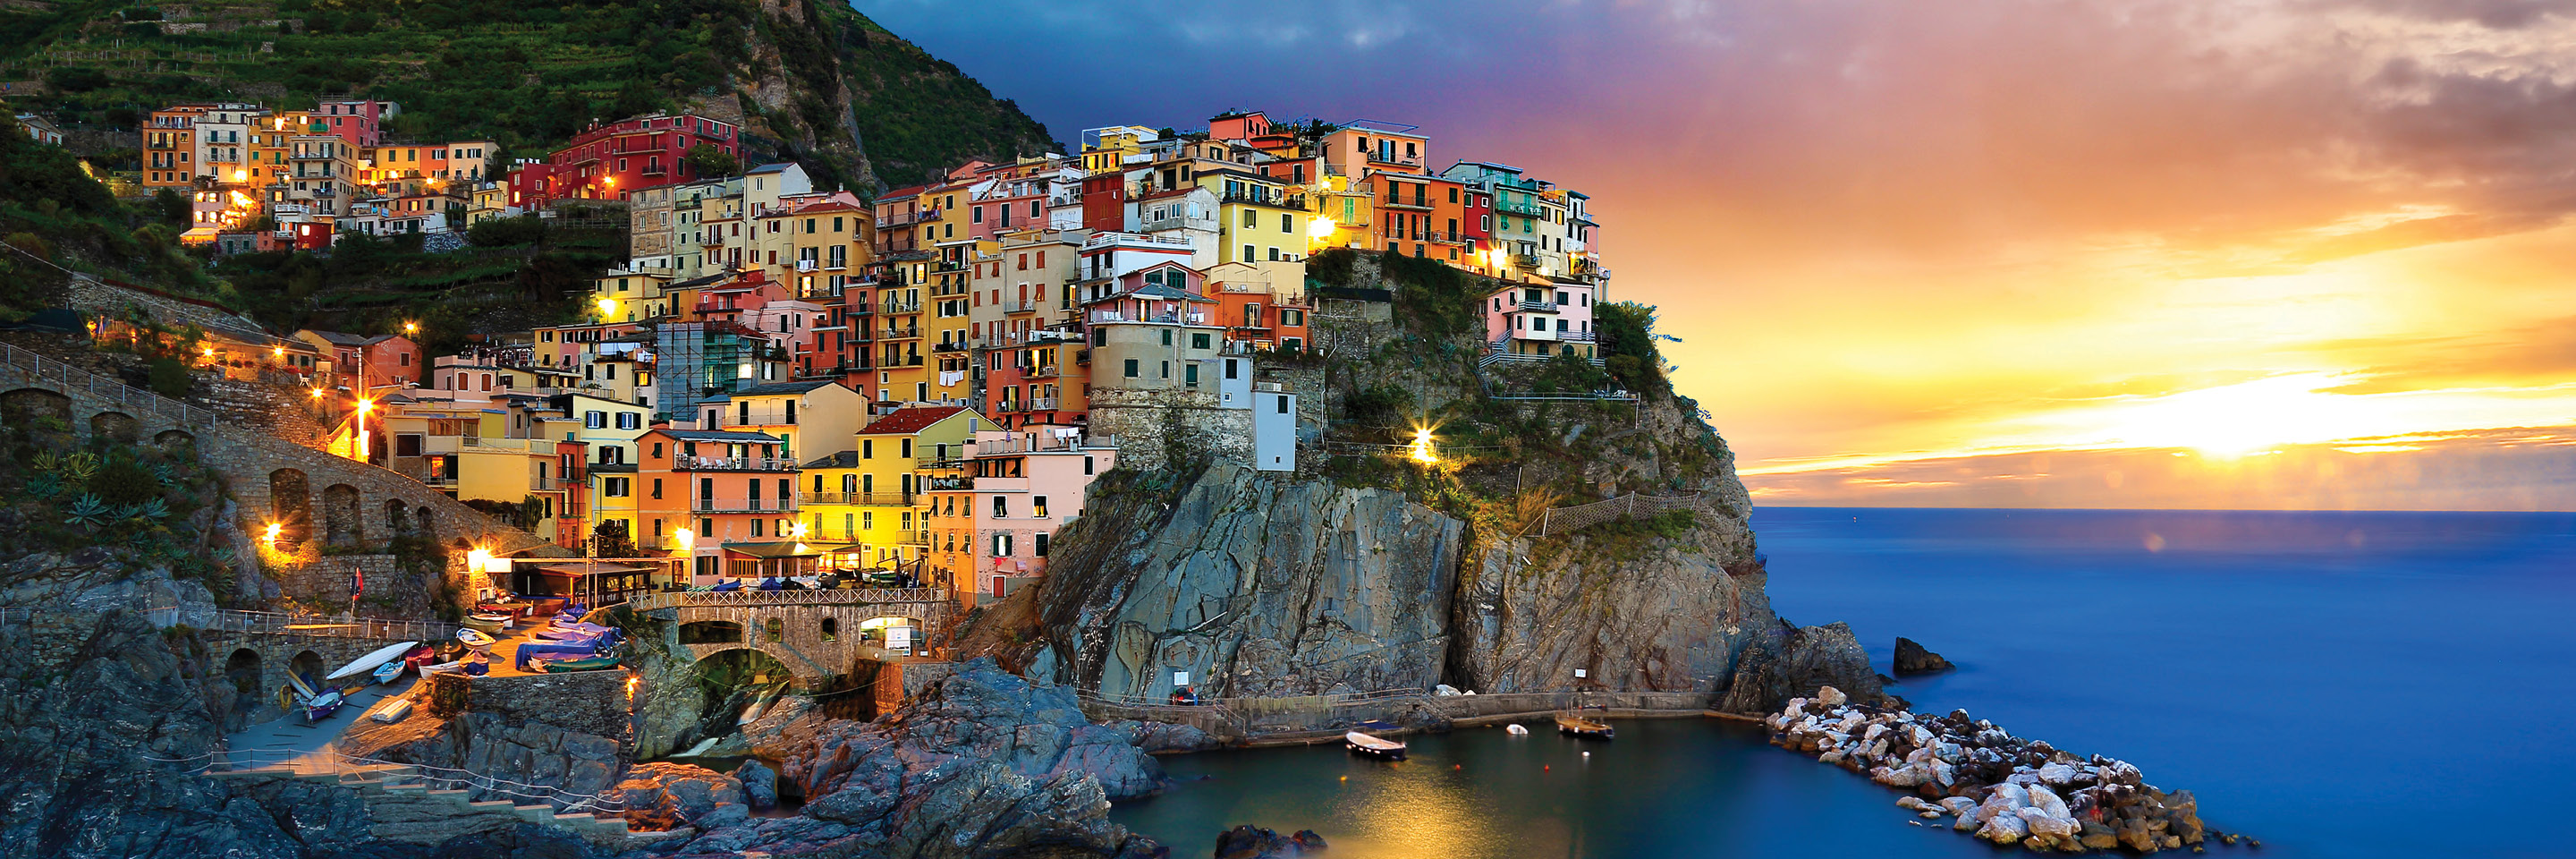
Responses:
[2302,254]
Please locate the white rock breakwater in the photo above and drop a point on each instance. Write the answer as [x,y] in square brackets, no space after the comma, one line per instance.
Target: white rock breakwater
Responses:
[2006,789]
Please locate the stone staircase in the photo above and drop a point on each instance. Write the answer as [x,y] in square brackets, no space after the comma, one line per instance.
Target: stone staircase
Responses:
[403,807]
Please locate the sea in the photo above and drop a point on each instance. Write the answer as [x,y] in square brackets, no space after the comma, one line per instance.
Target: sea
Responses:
[2335,684]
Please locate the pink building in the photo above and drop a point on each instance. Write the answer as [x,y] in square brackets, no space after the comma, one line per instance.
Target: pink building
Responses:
[359,122]
[1541,320]
[1023,485]
[362,362]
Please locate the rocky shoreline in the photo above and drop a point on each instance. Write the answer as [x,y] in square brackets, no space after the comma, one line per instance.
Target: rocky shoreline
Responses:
[2005,789]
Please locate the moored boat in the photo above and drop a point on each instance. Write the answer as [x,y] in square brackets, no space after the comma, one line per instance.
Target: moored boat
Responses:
[391,669]
[368,663]
[586,663]
[474,638]
[1577,726]
[1372,746]
[320,707]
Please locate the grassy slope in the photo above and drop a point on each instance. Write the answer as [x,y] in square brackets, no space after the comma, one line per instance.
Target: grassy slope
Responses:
[917,114]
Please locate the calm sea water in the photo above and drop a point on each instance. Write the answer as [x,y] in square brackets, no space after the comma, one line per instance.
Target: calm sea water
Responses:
[2337,684]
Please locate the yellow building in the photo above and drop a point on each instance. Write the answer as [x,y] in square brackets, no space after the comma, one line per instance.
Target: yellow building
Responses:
[868,496]
[1257,219]
[627,296]
[949,317]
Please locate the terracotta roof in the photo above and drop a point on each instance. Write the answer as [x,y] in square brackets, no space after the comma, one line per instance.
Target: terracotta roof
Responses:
[911,420]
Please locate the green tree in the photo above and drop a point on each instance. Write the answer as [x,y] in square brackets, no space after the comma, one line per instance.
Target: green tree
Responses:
[1627,337]
[171,207]
[709,162]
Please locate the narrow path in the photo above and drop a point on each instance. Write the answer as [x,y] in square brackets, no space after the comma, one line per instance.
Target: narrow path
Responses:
[290,741]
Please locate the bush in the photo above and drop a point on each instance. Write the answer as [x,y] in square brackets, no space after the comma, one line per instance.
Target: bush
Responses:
[76,78]
[504,232]
[170,378]
[124,483]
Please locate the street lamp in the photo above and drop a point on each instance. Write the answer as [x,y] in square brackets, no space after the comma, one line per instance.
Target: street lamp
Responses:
[607,309]
[364,406]
[410,328]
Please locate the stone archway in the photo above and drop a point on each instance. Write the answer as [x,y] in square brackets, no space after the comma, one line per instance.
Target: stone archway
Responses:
[340,525]
[307,666]
[116,427]
[174,440]
[243,669]
[26,406]
[397,517]
[290,503]
[421,519]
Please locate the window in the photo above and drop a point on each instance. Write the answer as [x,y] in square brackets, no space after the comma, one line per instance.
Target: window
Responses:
[1040,549]
[1287,223]
[407,444]
[1131,368]
[907,447]
[706,489]
[1198,340]
[1247,253]
[1001,507]
[1087,465]
[657,487]
[614,487]
[1233,369]
[594,420]
[756,526]
[1167,336]
[1190,374]
[630,420]
[1038,507]
[1001,545]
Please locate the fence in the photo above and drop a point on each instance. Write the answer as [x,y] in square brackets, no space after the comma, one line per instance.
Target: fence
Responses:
[1562,519]
[72,378]
[838,596]
[327,762]
[277,623]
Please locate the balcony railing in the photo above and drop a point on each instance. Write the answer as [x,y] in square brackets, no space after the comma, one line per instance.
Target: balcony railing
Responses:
[951,484]
[863,499]
[1540,306]
[1527,208]
[732,463]
[1042,371]
[754,505]
[903,306]
[1156,225]
[1291,201]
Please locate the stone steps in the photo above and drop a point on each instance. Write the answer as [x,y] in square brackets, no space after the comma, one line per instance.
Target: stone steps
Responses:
[375,785]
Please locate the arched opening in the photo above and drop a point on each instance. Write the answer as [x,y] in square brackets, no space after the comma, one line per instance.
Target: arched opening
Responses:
[340,515]
[290,503]
[722,673]
[711,632]
[117,427]
[307,666]
[892,632]
[420,519]
[174,440]
[773,632]
[397,517]
[829,630]
[34,407]
[242,669]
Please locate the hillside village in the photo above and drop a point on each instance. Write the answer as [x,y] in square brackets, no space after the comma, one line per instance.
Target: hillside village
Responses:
[784,382]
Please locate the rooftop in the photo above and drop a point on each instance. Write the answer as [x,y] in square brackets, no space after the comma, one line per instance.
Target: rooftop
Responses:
[911,420]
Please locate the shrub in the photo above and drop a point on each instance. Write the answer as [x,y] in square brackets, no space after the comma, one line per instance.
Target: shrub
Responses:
[124,483]
[170,378]
[503,232]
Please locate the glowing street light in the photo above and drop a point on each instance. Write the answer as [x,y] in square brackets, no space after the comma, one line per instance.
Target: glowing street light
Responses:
[477,560]
[275,530]
[1321,228]
[411,328]
[1420,449]
[687,539]
[364,406]
[607,308]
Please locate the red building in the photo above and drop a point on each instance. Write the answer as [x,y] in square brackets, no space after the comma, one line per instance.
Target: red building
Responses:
[361,123]
[1104,202]
[532,183]
[607,161]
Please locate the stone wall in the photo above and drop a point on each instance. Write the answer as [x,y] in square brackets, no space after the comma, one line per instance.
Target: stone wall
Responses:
[1159,427]
[591,702]
[325,579]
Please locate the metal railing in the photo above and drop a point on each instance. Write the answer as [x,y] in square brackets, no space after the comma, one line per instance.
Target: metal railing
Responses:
[326,762]
[733,463]
[758,505]
[279,623]
[837,596]
[1563,519]
[46,369]
[863,499]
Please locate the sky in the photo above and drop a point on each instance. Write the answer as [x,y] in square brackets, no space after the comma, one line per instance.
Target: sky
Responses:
[2304,254]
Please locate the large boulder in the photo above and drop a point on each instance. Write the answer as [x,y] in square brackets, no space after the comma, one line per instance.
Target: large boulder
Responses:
[1912,659]
[982,748]
[662,795]
[759,783]
[1252,842]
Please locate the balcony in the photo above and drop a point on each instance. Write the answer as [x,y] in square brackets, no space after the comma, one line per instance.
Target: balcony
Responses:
[1041,371]
[734,505]
[1023,306]
[903,306]
[951,484]
[1525,260]
[907,332]
[1285,201]
[732,463]
[1416,204]
[862,499]
[1157,225]
[1540,306]
[1525,208]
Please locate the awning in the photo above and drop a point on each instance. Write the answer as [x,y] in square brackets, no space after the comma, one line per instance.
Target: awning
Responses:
[577,569]
[781,549]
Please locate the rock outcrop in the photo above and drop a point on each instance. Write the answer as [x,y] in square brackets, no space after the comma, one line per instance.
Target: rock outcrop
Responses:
[984,764]
[2002,788]
[665,796]
[1913,659]
[1800,661]
[1633,613]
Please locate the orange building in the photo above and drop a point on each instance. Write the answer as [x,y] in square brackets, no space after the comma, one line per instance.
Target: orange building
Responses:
[170,146]
[700,491]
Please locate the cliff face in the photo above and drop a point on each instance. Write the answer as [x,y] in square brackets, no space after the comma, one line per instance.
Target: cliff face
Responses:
[1255,584]
[1631,614]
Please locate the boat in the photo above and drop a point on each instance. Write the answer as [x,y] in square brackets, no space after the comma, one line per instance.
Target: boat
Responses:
[475,638]
[320,707]
[489,621]
[1516,730]
[391,669]
[442,668]
[373,658]
[1375,747]
[1577,726]
[422,655]
[586,663]
[393,711]
[303,689]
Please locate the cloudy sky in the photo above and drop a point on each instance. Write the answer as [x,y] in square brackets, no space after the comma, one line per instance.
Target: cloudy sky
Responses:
[2200,253]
